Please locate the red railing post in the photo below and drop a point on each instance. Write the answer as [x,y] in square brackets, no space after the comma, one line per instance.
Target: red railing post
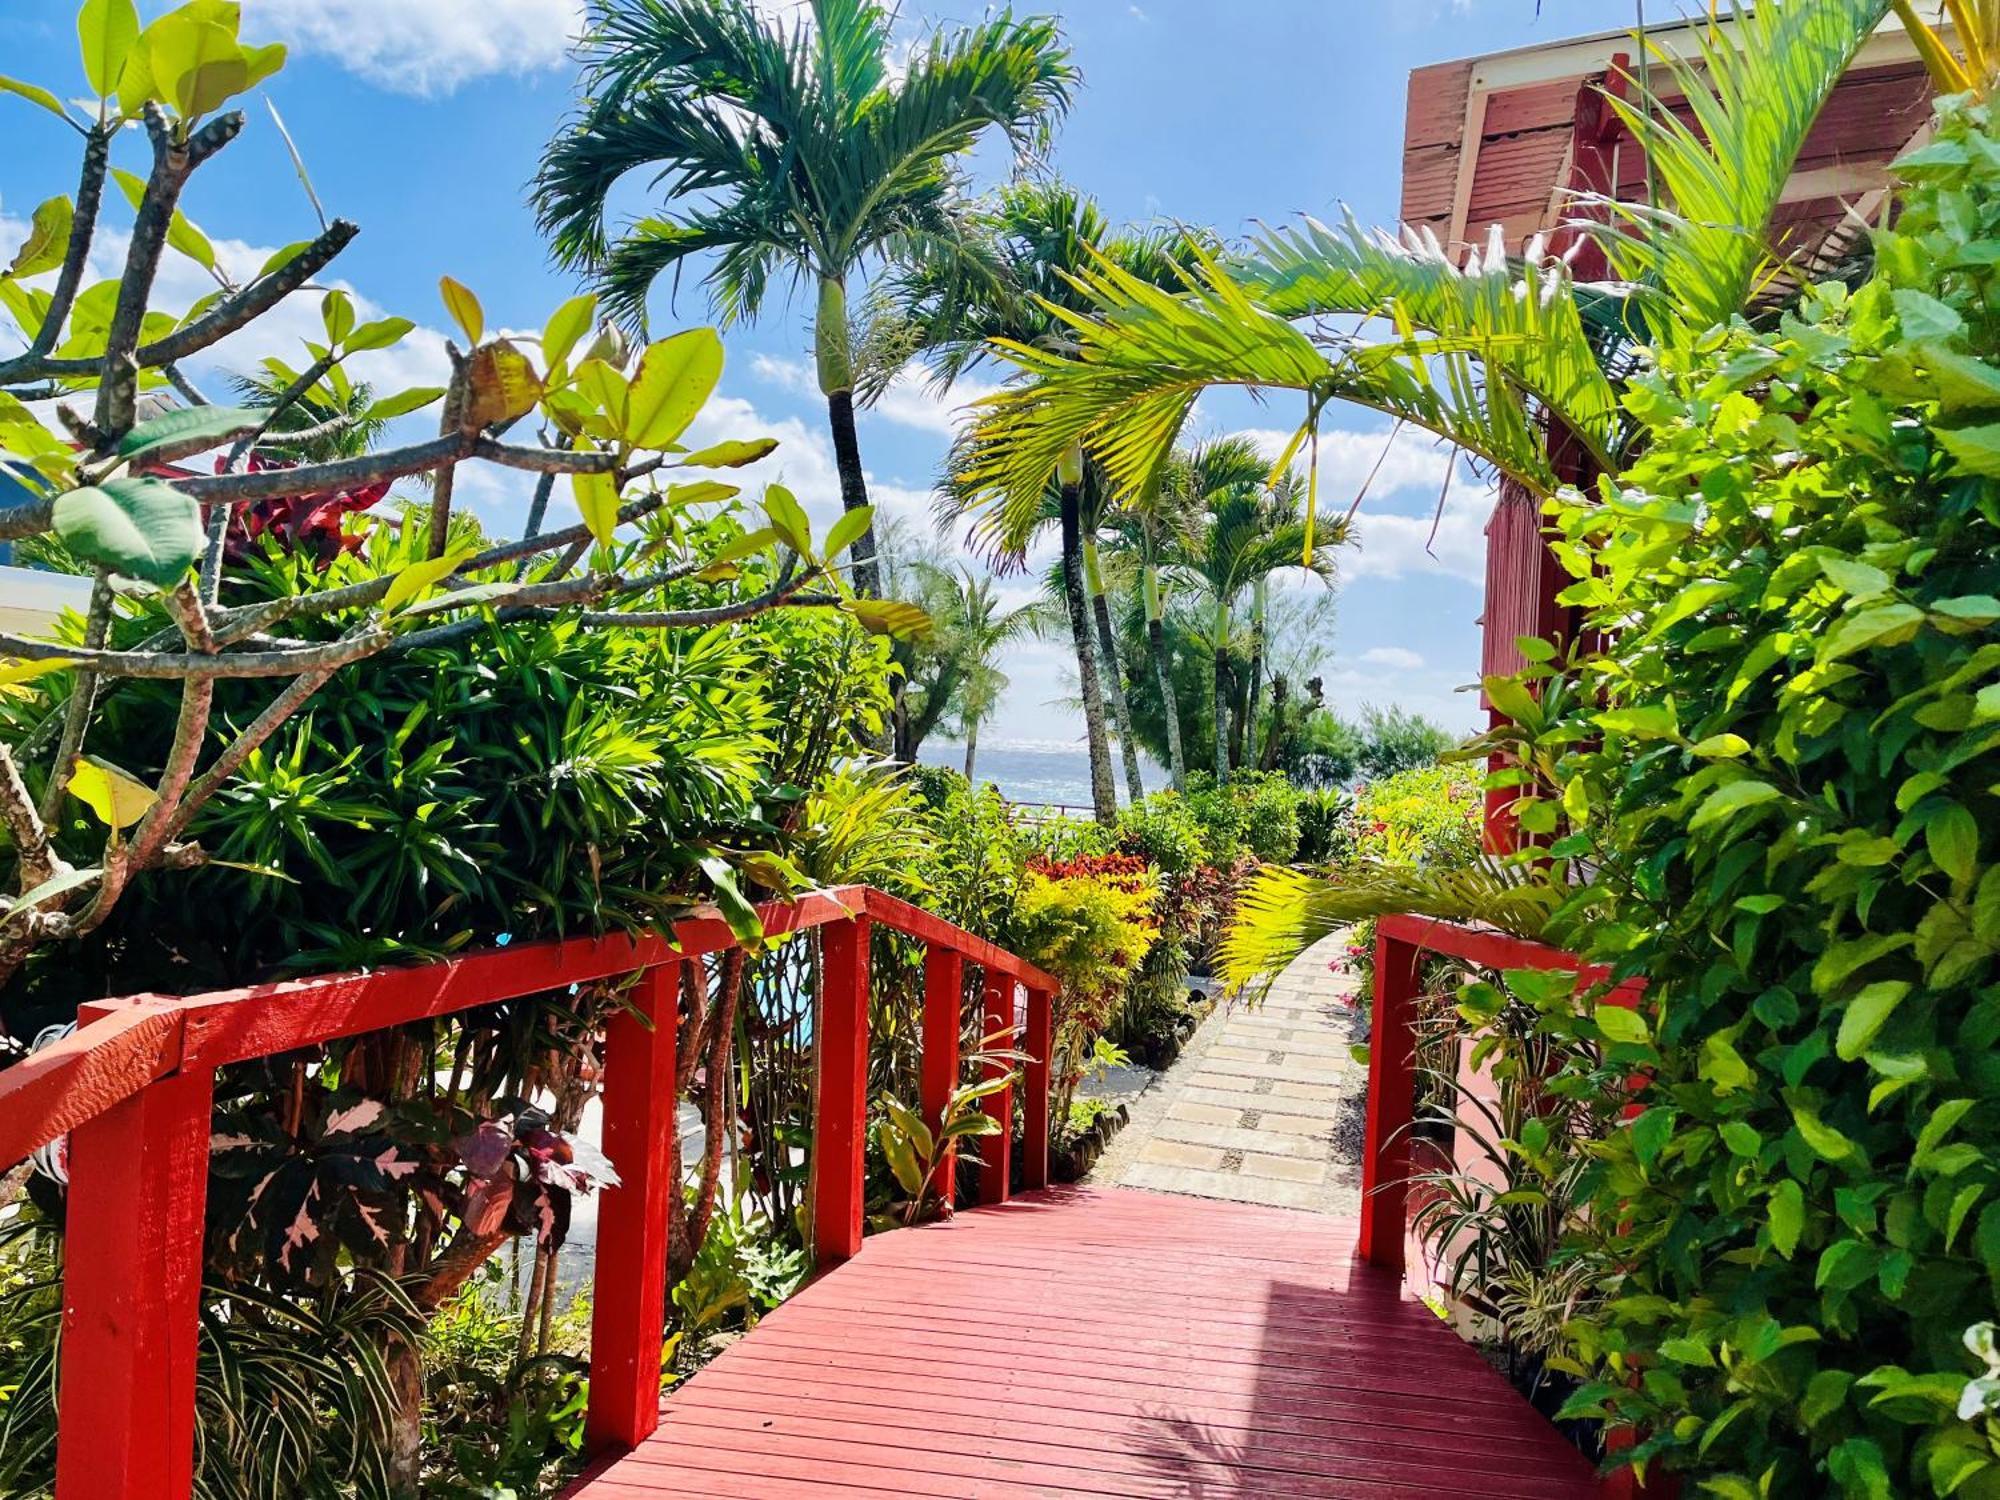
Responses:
[840,1123]
[1392,1081]
[995,1149]
[1040,1048]
[132,1294]
[944,1001]
[629,1290]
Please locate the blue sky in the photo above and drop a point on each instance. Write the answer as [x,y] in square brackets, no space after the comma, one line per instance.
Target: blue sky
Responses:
[422,119]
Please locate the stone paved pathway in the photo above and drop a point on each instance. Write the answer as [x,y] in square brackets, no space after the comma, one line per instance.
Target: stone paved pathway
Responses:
[1264,1105]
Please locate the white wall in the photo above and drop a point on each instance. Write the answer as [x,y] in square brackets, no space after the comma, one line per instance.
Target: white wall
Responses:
[31,601]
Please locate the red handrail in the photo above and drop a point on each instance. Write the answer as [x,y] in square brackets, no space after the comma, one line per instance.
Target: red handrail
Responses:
[1401,941]
[1387,1158]
[134,1086]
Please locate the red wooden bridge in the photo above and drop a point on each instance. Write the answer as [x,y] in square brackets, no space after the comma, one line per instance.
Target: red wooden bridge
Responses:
[1055,1342]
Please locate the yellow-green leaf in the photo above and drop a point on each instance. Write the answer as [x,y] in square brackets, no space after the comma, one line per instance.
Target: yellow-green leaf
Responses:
[182,233]
[14,673]
[35,94]
[606,391]
[1621,1023]
[675,379]
[195,63]
[733,454]
[1722,747]
[597,497]
[118,800]
[464,308]
[419,577]
[1866,1014]
[788,519]
[846,531]
[48,239]
[108,30]
[890,617]
[566,325]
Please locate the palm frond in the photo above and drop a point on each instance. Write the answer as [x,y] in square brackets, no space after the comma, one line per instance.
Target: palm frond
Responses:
[1975,67]
[1143,356]
[1283,912]
[1519,317]
[1013,75]
[1753,91]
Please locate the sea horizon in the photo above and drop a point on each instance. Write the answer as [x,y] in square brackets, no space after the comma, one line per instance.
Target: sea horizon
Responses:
[1040,770]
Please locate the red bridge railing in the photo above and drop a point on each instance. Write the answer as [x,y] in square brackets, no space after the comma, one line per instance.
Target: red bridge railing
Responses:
[133,1087]
[1388,1159]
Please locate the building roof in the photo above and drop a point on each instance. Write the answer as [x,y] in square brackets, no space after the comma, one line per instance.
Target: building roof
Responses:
[1489,139]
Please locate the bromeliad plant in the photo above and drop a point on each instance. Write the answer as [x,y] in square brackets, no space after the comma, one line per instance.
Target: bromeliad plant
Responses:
[117,492]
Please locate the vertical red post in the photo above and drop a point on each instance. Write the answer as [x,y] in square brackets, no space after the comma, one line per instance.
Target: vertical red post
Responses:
[944,998]
[1040,1048]
[838,1143]
[629,1293]
[1392,1082]
[994,1150]
[132,1295]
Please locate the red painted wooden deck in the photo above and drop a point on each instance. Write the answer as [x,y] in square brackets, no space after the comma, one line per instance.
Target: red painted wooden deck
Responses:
[1101,1342]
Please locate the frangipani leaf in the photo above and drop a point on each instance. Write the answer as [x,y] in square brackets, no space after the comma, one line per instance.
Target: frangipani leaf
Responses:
[119,800]
[136,526]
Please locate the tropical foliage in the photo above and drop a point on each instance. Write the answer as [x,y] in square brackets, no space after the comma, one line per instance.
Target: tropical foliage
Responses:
[1769,1248]
[796,149]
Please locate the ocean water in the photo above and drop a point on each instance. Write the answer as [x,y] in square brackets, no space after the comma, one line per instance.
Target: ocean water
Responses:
[1038,770]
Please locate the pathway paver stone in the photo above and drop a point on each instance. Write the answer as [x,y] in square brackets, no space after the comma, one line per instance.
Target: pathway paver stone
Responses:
[1265,1104]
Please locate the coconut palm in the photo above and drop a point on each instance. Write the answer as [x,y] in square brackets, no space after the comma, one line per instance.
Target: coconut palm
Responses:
[1247,533]
[784,147]
[1003,283]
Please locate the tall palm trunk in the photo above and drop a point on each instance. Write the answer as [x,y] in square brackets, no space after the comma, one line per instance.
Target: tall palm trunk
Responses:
[1156,644]
[1103,790]
[1259,601]
[836,382]
[1221,642]
[971,747]
[1114,682]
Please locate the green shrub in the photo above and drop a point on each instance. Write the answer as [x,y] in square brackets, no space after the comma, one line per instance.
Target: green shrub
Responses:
[1788,763]
[1063,838]
[1254,813]
[1429,817]
[1219,817]
[1269,809]
[1326,827]
[1165,831]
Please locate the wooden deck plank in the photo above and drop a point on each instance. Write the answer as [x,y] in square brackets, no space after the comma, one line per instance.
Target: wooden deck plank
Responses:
[1101,1342]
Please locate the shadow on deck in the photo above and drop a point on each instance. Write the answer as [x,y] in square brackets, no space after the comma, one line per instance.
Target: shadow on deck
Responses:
[1101,1342]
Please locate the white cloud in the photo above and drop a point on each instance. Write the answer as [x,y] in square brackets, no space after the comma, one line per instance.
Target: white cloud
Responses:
[1400,508]
[803,462]
[1411,461]
[426,46]
[912,399]
[1398,657]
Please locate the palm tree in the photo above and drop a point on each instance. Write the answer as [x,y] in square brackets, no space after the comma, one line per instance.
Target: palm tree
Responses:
[1248,533]
[781,147]
[981,628]
[970,628]
[1485,353]
[1002,283]
[1162,524]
